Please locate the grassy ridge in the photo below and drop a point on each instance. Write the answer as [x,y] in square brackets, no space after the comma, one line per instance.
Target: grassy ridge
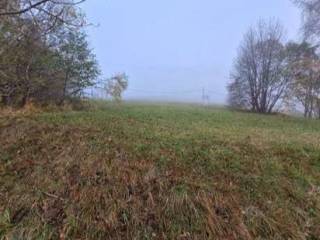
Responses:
[159,172]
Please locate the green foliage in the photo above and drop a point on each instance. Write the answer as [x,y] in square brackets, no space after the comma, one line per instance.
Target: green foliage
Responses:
[78,64]
[43,59]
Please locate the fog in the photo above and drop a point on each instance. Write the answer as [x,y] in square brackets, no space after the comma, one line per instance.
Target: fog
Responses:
[177,50]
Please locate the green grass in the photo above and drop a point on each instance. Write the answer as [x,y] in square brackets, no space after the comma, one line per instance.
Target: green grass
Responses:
[140,171]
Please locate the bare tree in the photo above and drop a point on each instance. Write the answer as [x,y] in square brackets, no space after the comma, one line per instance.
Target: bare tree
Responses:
[239,94]
[18,7]
[46,15]
[311,18]
[259,79]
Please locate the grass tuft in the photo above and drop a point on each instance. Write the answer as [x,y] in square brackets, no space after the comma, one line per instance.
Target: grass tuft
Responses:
[141,171]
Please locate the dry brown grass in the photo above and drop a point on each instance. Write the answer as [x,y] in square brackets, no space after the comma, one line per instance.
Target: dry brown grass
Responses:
[110,175]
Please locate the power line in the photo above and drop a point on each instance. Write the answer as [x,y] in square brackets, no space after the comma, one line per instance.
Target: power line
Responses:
[173,92]
[98,91]
[162,92]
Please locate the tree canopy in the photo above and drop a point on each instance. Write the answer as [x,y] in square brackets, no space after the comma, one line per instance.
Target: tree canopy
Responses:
[44,54]
[258,78]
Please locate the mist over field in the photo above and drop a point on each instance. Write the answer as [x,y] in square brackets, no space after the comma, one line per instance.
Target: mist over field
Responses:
[171,50]
[160,120]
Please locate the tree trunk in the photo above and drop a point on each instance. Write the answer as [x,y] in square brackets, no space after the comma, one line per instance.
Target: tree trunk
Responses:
[64,93]
[26,95]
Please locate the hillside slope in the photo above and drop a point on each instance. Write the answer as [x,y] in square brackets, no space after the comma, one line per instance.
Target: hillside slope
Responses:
[159,172]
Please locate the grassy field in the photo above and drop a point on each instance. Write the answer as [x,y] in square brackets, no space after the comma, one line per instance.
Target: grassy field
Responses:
[142,171]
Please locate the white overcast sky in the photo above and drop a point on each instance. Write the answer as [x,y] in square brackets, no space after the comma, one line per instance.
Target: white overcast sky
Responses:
[172,49]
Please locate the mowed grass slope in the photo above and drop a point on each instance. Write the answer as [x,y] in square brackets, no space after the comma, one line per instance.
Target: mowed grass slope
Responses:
[159,172]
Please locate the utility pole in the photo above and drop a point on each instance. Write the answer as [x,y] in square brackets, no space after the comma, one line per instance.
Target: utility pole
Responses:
[205,97]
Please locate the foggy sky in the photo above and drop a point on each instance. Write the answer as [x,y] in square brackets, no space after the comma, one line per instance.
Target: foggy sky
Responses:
[173,49]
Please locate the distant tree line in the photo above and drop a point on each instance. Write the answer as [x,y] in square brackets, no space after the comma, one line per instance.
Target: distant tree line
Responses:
[269,74]
[44,53]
